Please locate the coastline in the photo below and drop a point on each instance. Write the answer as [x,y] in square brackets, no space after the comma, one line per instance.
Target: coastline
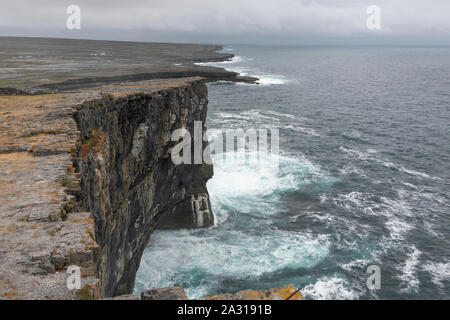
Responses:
[65,221]
[49,65]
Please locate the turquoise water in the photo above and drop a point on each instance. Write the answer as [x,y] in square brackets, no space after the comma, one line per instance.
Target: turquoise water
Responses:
[363,179]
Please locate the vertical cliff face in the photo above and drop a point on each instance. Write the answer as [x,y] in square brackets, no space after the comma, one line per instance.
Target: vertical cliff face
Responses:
[128,180]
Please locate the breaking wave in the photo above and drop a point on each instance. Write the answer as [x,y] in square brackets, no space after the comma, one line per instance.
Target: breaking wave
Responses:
[330,288]
[244,196]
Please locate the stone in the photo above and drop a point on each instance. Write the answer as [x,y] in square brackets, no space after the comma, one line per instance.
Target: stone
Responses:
[52,217]
[59,260]
[81,258]
[285,293]
[48,267]
[169,293]
[139,140]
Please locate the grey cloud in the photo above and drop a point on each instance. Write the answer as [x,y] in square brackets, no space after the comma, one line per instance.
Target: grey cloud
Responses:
[231,19]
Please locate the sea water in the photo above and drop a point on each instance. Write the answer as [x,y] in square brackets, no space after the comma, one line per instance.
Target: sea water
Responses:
[363,179]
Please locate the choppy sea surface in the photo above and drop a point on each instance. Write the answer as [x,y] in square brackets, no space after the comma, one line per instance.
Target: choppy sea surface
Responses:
[363,179]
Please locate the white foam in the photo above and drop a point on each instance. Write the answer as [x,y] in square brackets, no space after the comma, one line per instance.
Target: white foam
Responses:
[358,201]
[410,185]
[348,170]
[355,264]
[270,79]
[230,65]
[369,155]
[284,115]
[439,272]
[418,173]
[200,259]
[354,134]
[214,254]
[221,64]
[257,175]
[396,212]
[330,288]
[361,155]
[399,207]
[409,278]
[397,228]
[263,78]
[430,228]
[421,194]
[259,117]
[250,115]
[298,128]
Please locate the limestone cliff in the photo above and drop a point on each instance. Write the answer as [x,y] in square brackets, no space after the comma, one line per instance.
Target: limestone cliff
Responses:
[86,176]
[128,180]
[85,167]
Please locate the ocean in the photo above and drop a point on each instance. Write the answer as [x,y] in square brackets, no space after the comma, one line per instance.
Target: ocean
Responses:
[363,179]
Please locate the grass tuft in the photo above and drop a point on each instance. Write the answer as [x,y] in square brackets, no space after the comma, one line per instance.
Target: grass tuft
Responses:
[66,182]
[84,293]
[94,143]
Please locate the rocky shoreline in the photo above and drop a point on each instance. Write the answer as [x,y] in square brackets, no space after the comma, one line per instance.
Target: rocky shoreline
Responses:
[46,65]
[85,168]
[85,178]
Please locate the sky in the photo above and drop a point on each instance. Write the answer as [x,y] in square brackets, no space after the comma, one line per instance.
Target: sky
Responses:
[406,22]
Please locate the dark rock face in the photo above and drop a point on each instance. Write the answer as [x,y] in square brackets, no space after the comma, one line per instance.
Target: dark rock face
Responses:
[128,180]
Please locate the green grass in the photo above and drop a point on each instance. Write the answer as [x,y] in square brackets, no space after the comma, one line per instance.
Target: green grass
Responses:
[84,293]
[66,182]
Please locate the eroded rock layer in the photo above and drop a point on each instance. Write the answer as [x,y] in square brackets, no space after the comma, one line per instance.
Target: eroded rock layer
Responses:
[86,176]
[128,179]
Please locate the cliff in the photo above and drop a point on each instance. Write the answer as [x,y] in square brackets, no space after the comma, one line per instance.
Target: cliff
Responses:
[104,152]
[128,179]
[85,167]
[46,65]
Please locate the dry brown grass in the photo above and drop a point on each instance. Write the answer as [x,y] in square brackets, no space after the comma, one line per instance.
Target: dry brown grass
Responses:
[94,143]
[7,229]
[82,220]
[9,294]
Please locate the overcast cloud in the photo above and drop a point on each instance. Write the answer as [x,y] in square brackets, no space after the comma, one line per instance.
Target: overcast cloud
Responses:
[232,21]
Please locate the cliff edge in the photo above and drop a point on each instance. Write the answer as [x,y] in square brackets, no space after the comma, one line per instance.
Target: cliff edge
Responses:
[128,179]
[85,167]
[86,176]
